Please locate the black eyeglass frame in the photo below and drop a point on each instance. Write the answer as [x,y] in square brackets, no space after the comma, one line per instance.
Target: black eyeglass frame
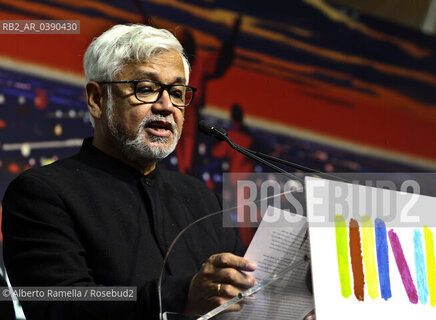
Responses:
[163,87]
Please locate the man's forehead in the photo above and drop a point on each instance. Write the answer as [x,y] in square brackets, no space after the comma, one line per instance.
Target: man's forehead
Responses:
[156,76]
[166,66]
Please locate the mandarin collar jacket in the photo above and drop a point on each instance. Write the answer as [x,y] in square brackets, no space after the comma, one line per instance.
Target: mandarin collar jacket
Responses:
[91,220]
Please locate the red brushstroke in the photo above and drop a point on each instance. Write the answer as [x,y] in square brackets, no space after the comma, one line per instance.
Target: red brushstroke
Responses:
[357,260]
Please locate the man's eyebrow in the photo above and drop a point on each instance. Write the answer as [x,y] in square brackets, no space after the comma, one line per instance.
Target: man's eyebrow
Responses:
[145,75]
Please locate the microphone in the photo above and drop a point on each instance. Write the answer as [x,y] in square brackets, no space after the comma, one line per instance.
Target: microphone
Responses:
[212,130]
[220,134]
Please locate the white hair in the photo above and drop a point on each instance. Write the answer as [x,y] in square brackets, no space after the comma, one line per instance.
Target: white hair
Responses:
[121,44]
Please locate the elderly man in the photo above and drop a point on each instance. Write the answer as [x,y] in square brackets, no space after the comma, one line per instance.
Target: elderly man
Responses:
[106,216]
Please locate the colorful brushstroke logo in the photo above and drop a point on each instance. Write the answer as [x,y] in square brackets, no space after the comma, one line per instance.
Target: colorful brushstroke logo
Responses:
[364,245]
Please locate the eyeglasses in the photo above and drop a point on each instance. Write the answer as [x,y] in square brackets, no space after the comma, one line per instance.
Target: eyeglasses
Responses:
[149,91]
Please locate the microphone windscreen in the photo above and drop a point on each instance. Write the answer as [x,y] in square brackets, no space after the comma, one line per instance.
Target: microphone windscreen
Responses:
[205,127]
[212,130]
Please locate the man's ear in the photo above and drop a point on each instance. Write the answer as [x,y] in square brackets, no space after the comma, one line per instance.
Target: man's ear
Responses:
[94,99]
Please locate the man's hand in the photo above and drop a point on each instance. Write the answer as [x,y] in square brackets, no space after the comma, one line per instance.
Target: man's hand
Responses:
[310,315]
[220,279]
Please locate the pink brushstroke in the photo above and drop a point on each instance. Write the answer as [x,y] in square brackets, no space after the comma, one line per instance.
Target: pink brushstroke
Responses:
[403,267]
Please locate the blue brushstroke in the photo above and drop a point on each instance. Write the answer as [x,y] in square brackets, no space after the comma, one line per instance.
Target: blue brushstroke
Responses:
[382,258]
[421,275]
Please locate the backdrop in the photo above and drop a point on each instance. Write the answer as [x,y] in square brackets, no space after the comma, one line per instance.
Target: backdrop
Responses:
[317,84]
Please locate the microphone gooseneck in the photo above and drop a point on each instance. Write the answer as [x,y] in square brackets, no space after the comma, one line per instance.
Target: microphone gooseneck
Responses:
[221,134]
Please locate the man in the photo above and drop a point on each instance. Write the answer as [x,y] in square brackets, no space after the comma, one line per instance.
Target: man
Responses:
[106,216]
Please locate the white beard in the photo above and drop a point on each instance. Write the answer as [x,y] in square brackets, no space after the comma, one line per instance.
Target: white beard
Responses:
[138,149]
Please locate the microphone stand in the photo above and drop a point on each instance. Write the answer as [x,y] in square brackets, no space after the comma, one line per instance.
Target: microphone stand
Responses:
[294,165]
[258,158]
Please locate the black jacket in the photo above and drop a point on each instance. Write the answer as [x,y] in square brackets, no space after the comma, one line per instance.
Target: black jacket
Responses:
[91,220]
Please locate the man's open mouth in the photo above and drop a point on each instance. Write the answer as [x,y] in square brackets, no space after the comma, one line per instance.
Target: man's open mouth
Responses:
[159,128]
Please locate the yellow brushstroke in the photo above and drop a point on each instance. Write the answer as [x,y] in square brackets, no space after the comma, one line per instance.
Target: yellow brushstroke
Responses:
[431,264]
[369,256]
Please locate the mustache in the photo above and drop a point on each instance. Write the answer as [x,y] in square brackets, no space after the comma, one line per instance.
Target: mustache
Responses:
[157,117]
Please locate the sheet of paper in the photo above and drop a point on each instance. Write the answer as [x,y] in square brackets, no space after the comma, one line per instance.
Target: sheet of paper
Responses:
[275,246]
[365,263]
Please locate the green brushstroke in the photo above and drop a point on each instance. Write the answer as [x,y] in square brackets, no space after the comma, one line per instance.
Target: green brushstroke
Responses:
[342,255]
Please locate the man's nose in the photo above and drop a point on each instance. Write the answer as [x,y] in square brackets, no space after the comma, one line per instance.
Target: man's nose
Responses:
[164,104]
